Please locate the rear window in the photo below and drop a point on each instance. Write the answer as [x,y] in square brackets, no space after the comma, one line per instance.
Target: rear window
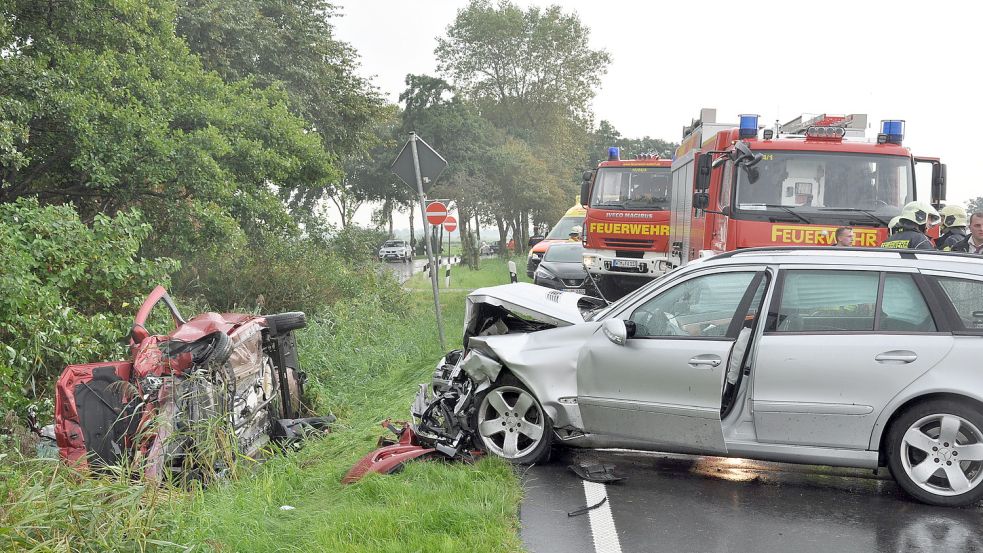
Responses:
[967,299]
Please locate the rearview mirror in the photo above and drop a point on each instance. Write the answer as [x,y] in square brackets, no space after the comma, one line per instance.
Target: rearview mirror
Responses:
[618,331]
[938,183]
[701,200]
[704,164]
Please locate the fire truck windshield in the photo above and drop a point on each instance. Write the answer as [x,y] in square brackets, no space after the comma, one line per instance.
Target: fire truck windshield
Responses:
[635,188]
[824,182]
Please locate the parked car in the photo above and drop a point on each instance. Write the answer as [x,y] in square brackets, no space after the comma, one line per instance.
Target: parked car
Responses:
[395,250]
[235,373]
[848,356]
[562,268]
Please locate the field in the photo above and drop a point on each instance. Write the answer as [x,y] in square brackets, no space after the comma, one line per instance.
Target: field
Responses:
[364,360]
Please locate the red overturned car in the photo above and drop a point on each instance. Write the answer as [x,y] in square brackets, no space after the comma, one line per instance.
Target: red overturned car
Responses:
[234,376]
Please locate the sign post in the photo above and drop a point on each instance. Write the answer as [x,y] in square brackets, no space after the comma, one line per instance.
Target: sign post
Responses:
[450,223]
[416,169]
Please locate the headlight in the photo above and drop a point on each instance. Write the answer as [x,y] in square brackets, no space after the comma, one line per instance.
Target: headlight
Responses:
[543,273]
[590,260]
[535,256]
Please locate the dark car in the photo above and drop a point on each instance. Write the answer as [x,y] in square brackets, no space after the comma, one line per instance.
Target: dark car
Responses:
[562,268]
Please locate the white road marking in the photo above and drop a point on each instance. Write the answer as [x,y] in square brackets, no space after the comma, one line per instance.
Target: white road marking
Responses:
[601,521]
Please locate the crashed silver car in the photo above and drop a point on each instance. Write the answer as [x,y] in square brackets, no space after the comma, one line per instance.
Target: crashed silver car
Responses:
[847,357]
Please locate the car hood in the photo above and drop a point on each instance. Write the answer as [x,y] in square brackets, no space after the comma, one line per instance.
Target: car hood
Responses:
[529,301]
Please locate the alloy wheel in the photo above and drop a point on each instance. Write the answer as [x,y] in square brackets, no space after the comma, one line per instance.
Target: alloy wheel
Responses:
[943,454]
[510,422]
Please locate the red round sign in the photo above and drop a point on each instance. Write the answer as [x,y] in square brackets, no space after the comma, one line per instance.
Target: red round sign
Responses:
[436,213]
[450,224]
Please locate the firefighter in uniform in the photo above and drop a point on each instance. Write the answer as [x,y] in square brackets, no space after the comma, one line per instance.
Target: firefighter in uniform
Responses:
[575,233]
[914,220]
[953,227]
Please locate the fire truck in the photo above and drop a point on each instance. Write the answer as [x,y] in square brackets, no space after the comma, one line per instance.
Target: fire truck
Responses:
[739,185]
[626,230]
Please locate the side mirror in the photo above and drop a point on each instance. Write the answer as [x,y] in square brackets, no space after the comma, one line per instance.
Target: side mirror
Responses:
[701,200]
[618,331]
[938,183]
[585,191]
[704,164]
[744,155]
[588,175]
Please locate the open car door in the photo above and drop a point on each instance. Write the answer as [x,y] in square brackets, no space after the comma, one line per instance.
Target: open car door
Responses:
[663,386]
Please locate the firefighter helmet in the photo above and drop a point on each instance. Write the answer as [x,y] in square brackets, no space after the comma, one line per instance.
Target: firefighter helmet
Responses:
[576,229]
[953,216]
[893,224]
[920,213]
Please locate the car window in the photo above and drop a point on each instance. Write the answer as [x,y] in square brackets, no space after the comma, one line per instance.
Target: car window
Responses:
[903,307]
[827,301]
[967,299]
[702,306]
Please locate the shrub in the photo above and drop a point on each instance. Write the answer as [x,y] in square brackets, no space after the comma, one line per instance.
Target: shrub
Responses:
[68,291]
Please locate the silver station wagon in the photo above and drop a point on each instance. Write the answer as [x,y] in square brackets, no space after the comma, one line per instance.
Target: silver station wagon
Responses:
[848,357]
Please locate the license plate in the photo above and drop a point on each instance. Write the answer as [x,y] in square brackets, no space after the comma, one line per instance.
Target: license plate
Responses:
[581,291]
[625,263]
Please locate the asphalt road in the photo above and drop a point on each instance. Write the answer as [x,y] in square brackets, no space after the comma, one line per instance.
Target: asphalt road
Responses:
[683,503]
[403,270]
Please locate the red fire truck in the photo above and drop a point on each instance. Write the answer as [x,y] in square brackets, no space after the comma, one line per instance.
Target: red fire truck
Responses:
[734,186]
[626,230]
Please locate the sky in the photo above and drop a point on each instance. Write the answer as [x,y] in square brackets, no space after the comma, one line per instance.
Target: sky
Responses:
[890,60]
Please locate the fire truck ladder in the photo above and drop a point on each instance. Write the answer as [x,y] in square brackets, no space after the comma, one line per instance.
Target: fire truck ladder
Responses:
[799,125]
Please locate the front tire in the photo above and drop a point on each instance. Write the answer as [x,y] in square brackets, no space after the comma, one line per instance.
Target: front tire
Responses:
[512,424]
[935,452]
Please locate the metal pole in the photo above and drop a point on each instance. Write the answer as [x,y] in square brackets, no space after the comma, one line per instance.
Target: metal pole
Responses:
[430,256]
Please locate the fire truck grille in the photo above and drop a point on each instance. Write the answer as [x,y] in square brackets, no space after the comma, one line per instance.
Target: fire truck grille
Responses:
[618,243]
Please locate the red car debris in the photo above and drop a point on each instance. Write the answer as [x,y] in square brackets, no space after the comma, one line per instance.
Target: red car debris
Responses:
[241,371]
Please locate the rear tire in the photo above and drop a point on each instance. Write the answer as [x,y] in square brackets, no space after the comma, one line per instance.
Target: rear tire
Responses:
[282,323]
[512,424]
[935,452]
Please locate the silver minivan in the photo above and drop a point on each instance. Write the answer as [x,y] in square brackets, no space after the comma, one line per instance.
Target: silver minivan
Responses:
[849,357]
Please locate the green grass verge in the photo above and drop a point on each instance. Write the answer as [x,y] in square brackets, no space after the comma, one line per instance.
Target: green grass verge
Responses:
[492,272]
[364,360]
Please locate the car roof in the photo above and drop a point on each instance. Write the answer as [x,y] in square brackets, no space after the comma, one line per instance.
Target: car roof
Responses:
[819,255]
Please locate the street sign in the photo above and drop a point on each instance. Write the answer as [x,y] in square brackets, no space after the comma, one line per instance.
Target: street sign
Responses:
[450,223]
[431,165]
[436,213]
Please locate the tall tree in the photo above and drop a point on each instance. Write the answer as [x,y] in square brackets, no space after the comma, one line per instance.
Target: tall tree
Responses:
[110,110]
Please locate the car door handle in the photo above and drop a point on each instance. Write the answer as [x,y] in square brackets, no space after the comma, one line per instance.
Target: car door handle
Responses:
[896,356]
[709,359]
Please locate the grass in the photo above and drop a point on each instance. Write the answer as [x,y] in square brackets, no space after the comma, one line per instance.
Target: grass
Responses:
[364,360]
[492,272]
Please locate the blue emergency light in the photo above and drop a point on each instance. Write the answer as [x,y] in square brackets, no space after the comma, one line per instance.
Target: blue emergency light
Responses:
[749,126]
[614,153]
[892,130]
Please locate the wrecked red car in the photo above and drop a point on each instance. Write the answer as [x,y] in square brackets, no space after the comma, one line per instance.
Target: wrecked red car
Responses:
[235,373]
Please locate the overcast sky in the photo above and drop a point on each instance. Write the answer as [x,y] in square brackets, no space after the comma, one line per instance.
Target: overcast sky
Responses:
[891,60]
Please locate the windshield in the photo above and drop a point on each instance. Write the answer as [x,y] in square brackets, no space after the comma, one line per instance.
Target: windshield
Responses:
[562,229]
[565,253]
[393,244]
[819,182]
[631,188]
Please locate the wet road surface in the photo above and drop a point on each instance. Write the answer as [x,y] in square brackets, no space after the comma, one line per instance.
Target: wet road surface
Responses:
[683,503]
[404,270]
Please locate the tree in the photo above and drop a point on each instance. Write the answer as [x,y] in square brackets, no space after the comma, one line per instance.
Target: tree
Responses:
[605,136]
[975,205]
[107,109]
[290,43]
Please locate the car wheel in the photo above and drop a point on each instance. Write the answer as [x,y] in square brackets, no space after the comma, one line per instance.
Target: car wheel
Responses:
[935,452]
[282,323]
[512,424]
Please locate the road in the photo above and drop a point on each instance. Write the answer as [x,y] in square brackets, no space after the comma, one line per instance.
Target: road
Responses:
[404,271]
[683,503]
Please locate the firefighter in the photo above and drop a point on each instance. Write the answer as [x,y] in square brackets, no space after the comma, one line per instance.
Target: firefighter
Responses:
[973,243]
[892,226]
[916,217]
[575,233]
[953,227]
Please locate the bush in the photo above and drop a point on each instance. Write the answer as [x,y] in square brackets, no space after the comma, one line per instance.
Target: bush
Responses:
[68,291]
[282,274]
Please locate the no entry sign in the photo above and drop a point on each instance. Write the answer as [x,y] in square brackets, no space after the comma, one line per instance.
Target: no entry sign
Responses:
[436,213]
[450,224]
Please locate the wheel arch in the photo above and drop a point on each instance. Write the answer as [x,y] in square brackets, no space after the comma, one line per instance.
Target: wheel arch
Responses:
[879,438]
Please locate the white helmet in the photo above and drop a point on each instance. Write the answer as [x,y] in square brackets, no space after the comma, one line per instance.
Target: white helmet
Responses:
[576,229]
[920,213]
[893,224]
[953,216]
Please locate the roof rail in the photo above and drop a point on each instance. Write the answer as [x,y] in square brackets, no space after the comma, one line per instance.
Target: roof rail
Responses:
[904,253]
